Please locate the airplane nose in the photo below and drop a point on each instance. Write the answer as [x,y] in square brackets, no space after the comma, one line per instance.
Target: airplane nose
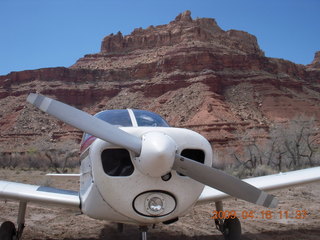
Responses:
[157,154]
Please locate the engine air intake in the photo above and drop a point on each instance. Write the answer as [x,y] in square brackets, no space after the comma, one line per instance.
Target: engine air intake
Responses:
[194,154]
[117,162]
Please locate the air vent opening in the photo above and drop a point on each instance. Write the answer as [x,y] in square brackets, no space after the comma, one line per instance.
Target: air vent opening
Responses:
[196,155]
[117,162]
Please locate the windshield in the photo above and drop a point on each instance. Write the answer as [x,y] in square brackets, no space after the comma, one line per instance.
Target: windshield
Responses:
[149,119]
[126,118]
[119,118]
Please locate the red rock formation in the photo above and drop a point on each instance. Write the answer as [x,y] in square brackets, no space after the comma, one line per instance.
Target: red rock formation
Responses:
[316,61]
[190,71]
[181,35]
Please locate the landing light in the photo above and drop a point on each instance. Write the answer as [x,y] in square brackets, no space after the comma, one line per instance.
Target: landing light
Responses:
[155,204]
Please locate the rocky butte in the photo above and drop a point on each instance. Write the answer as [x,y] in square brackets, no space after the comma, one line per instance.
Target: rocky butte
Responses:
[190,71]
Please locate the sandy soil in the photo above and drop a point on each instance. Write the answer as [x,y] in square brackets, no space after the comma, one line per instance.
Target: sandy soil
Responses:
[55,224]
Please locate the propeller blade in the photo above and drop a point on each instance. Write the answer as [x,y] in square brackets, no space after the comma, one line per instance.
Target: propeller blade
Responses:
[86,122]
[224,182]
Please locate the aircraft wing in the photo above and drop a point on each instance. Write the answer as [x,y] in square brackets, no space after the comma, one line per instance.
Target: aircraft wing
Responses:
[267,183]
[39,194]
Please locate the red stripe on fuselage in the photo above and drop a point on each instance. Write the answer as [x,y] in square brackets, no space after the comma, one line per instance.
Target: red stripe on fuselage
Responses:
[87,143]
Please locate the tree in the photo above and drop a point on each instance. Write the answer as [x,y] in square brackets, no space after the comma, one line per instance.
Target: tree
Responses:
[296,142]
[290,145]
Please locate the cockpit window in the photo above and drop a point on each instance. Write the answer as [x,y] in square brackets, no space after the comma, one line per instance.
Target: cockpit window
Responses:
[127,118]
[149,119]
[119,118]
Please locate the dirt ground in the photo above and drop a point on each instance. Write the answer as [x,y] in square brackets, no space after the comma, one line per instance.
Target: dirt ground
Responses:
[44,222]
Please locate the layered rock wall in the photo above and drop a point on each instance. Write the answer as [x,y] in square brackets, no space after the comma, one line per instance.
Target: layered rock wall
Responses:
[192,72]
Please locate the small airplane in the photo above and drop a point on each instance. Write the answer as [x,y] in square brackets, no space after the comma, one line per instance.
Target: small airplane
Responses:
[136,169]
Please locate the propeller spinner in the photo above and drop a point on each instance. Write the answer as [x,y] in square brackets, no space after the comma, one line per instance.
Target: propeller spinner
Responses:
[156,152]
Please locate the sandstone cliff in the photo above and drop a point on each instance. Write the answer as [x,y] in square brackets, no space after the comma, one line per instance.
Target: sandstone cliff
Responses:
[316,61]
[192,72]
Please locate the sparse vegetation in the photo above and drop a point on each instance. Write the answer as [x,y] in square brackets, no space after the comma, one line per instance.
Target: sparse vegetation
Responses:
[56,160]
[290,146]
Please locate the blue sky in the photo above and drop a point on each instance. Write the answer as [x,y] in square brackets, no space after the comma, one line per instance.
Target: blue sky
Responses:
[50,33]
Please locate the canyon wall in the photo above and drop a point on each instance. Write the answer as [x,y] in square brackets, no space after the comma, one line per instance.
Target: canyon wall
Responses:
[196,75]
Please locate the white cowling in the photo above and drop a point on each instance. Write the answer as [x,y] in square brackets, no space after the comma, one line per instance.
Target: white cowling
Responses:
[157,154]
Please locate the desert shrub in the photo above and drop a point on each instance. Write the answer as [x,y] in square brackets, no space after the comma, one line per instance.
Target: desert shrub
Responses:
[238,170]
[290,146]
[262,170]
[55,160]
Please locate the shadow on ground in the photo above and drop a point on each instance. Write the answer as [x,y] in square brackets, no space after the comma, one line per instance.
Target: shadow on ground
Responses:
[131,232]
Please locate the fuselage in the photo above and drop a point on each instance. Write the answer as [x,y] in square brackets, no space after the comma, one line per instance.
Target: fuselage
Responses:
[113,187]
